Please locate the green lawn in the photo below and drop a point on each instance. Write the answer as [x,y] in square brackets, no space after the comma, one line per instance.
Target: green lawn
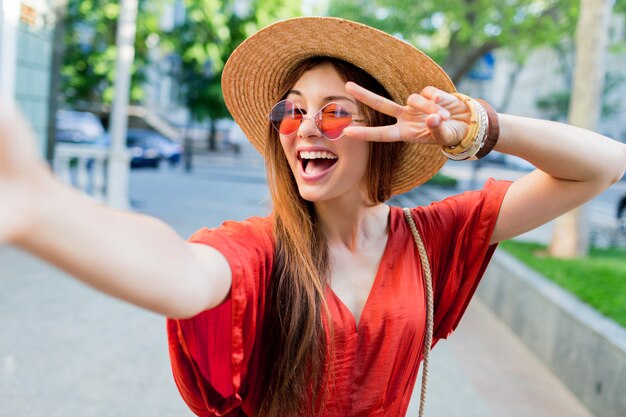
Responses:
[599,279]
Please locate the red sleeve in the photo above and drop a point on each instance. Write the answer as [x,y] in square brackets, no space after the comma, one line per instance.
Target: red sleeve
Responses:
[210,352]
[456,233]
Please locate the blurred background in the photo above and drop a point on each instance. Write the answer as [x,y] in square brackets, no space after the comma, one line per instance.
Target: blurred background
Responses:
[125,99]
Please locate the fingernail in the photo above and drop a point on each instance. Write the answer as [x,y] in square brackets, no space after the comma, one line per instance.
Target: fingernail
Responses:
[435,120]
[443,113]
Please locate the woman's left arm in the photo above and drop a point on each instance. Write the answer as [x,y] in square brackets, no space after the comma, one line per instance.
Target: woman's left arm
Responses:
[574,165]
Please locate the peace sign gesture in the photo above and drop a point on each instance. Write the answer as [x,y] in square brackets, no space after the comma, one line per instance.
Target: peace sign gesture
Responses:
[432,117]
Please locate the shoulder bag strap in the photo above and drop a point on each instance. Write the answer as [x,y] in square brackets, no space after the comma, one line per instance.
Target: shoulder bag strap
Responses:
[428,337]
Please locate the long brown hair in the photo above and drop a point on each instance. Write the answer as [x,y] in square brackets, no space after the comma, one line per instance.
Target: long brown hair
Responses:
[298,356]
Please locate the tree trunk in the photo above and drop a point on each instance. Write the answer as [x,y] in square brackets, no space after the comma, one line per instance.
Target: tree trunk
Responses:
[570,237]
[461,58]
[58,49]
[188,146]
[510,87]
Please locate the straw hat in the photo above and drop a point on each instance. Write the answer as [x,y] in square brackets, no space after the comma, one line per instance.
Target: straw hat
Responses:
[255,70]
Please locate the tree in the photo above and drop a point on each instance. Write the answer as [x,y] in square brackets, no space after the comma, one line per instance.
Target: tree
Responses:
[592,38]
[89,60]
[457,33]
[199,48]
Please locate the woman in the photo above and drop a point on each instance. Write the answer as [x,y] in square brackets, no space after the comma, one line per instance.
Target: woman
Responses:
[320,307]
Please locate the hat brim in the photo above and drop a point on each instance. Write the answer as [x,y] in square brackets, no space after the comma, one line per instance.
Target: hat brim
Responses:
[256,69]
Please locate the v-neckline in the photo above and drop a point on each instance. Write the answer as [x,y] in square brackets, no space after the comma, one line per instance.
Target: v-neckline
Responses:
[357,326]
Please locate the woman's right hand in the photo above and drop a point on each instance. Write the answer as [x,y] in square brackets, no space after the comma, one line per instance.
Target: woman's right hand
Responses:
[22,176]
[432,117]
[117,252]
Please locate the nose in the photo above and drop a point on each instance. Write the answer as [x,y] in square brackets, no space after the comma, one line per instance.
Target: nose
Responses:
[308,128]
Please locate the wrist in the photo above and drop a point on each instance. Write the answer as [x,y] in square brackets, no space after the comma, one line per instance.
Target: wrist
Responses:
[504,142]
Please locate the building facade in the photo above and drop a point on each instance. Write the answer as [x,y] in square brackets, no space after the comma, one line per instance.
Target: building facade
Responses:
[26,33]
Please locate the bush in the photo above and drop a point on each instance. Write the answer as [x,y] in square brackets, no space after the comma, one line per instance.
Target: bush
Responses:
[441,180]
[598,279]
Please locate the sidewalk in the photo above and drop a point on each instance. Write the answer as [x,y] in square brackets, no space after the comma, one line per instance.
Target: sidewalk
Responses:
[483,370]
[66,350]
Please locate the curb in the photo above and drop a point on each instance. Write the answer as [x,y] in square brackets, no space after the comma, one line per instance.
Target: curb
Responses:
[584,349]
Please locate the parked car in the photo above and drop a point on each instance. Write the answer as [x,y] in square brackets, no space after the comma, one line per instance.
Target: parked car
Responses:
[170,150]
[142,152]
[148,148]
[79,127]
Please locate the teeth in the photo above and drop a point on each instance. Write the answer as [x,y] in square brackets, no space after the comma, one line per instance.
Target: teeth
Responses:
[317,155]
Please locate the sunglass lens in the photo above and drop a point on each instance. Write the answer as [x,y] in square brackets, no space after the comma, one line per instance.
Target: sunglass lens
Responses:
[334,119]
[285,117]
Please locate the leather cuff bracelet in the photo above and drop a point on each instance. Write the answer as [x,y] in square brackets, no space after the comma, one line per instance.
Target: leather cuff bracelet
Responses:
[493,133]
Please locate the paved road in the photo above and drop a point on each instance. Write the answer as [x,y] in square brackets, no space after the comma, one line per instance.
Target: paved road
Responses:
[66,350]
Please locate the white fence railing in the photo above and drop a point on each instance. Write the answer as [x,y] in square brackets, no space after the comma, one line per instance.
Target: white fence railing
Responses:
[83,167]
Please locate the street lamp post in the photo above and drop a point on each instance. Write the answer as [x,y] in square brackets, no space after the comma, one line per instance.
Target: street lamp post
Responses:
[117,181]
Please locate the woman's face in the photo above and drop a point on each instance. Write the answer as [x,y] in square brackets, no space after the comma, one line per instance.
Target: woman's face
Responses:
[324,170]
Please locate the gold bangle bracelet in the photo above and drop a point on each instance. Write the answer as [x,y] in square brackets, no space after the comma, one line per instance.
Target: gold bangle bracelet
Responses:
[472,133]
[470,137]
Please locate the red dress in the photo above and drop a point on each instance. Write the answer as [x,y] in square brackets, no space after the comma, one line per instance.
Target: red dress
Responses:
[215,357]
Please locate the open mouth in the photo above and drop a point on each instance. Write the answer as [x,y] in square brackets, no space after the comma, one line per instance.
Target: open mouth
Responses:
[316,162]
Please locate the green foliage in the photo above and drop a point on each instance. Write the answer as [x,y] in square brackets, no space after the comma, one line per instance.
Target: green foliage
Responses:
[458,32]
[597,279]
[198,48]
[201,45]
[88,68]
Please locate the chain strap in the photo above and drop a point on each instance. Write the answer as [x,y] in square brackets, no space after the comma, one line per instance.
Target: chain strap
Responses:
[428,337]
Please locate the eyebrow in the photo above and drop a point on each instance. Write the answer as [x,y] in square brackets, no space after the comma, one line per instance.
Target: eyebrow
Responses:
[327,98]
